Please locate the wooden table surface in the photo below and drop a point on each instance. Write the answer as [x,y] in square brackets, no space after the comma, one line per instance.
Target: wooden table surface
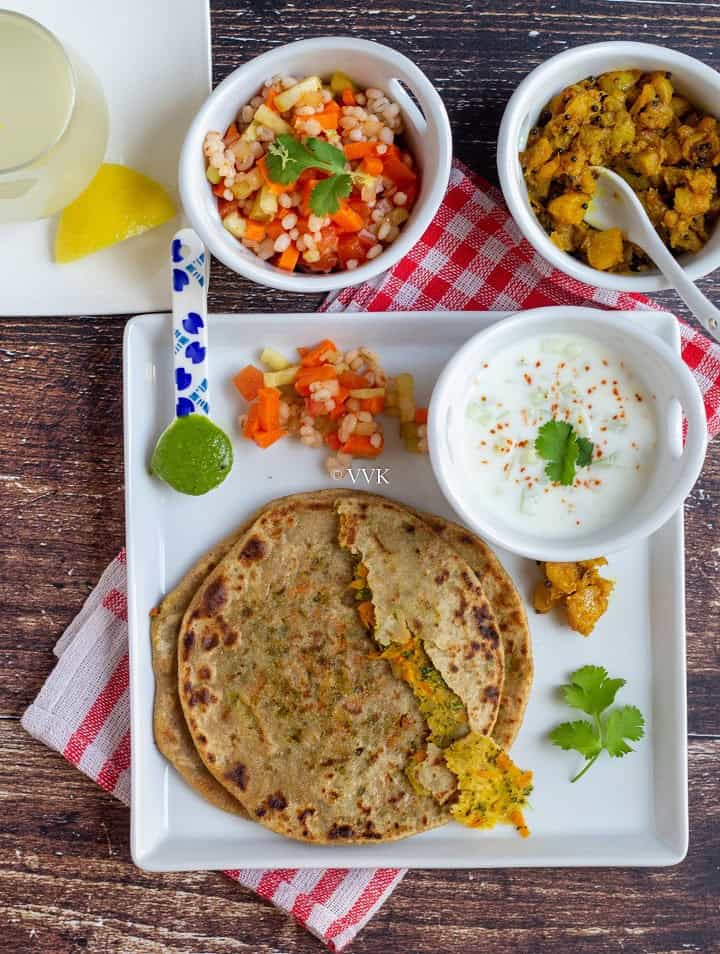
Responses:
[66,879]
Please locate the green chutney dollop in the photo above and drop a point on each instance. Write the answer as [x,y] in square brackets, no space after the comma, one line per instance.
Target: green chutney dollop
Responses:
[193,455]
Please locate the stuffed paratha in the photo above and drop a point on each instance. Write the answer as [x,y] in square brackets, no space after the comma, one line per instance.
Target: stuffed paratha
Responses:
[285,697]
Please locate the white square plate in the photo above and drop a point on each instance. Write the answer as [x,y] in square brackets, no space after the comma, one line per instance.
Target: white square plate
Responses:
[153,61]
[629,812]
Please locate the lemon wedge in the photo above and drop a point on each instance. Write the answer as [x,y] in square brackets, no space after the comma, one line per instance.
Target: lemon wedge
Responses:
[118,204]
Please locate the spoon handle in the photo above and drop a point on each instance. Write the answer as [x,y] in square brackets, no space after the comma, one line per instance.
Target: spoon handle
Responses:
[701,306]
[189,308]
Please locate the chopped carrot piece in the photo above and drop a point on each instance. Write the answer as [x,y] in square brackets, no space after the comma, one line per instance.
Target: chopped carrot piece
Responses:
[219,188]
[348,97]
[372,165]
[274,229]
[353,381]
[266,438]
[254,231]
[373,405]
[421,414]
[269,408]
[347,219]
[327,119]
[358,150]
[248,381]
[252,425]
[358,445]
[270,101]
[307,376]
[393,152]
[332,440]
[314,357]
[275,187]
[289,258]
[400,174]
[232,135]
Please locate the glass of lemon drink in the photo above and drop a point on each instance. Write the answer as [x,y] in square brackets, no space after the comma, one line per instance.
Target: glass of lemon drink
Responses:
[53,121]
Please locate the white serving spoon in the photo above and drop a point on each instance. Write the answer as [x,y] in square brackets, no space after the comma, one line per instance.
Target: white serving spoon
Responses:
[615,205]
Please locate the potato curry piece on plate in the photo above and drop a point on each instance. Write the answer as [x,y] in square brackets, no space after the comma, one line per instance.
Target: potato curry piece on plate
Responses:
[579,588]
[636,124]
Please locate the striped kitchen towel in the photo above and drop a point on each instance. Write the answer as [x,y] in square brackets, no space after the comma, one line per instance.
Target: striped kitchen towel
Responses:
[471,257]
[83,711]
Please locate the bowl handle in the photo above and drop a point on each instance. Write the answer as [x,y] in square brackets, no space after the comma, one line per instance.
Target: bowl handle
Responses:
[412,115]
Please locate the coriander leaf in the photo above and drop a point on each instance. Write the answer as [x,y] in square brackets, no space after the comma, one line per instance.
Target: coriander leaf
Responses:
[621,724]
[585,452]
[325,197]
[286,159]
[591,690]
[327,156]
[557,443]
[580,736]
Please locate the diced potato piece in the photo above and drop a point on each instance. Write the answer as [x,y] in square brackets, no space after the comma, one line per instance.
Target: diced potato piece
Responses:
[250,134]
[647,162]
[656,116]
[622,134]
[266,117]
[274,360]
[619,80]
[235,224]
[340,81]
[213,175]
[646,96]
[277,379]
[364,393]
[691,203]
[605,249]
[569,208]
[663,87]
[537,155]
[289,97]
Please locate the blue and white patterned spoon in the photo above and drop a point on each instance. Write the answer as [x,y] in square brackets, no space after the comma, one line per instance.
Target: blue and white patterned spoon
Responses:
[189,306]
[192,454]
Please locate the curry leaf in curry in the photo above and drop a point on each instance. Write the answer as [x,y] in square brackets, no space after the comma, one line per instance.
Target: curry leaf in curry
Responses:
[563,449]
[591,690]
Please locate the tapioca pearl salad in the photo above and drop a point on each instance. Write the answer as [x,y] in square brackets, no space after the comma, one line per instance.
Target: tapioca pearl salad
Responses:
[313,176]
[559,435]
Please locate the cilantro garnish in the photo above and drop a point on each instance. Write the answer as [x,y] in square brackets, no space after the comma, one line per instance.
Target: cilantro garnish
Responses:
[559,444]
[592,691]
[288,158]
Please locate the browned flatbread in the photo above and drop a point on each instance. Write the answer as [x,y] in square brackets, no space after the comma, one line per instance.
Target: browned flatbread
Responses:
[422,587]
[287,702]
[171,733]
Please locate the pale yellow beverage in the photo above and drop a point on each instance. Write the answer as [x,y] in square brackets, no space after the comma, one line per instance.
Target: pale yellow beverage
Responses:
[53,121]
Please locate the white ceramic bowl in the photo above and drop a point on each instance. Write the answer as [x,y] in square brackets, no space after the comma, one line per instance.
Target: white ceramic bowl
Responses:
[693,79]
[427,131]
[659,368]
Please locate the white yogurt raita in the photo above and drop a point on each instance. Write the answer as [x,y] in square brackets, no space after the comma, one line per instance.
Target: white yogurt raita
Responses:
[571,378]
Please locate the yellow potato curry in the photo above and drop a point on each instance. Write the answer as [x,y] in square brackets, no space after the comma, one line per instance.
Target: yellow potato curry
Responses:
[636,124]
[579,588]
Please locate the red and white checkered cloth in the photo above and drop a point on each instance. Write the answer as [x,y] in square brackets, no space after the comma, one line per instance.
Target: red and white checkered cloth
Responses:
[471,257]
